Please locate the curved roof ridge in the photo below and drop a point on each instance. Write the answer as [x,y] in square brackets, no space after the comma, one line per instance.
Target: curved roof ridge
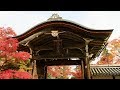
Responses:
[84,25]
[64,20]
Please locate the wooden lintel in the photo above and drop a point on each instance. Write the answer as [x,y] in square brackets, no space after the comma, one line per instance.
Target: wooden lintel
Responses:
[67,46]
[63,62]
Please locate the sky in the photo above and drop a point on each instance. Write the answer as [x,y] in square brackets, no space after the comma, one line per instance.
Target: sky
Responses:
[21,21]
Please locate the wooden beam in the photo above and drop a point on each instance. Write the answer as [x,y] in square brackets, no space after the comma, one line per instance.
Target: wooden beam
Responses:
[67,57]
[65,46]
[63,62]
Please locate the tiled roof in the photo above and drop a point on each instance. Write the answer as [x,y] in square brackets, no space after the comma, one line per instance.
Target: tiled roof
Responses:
[105,70]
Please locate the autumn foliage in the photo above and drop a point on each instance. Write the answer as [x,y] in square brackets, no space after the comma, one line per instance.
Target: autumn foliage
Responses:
[11,60]
[111,54]
[14,74]
[77,74]
[64,72]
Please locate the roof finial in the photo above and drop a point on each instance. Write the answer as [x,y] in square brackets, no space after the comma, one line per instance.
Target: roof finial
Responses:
[54,16]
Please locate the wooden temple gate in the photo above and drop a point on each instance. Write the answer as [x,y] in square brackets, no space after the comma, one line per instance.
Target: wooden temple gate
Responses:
[56,41]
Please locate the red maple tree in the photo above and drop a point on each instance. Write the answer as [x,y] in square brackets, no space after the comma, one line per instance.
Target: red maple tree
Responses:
[11,60]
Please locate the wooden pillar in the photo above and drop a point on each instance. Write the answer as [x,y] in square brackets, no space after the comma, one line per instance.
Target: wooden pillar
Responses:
[32,62]
[45,71]
[40,65]
[82,68]
[34,70]
[87,64]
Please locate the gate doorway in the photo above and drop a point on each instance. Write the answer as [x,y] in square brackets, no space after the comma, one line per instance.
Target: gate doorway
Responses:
[45,69]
